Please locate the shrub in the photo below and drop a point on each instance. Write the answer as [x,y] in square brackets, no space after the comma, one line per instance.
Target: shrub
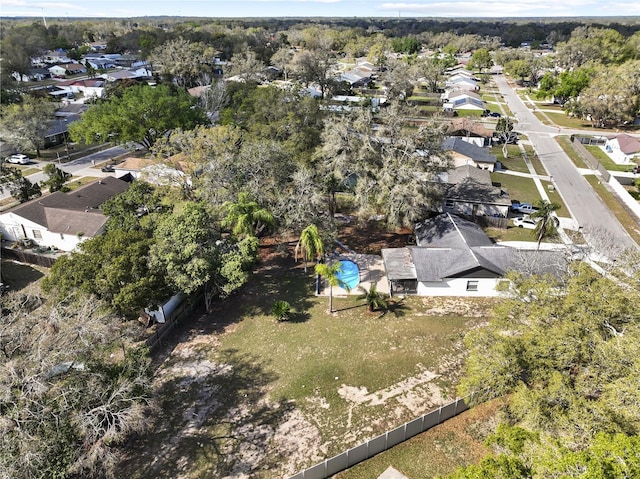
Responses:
[281,310]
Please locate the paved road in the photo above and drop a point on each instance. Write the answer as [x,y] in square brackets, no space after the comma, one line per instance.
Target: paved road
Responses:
[79,167]
[584,204]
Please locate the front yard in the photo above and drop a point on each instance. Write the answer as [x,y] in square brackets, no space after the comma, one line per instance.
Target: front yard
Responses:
[240,393]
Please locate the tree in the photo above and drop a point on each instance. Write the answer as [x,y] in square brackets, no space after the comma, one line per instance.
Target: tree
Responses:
[282,59]
[431,72]
[25,124]
[68,401]
[57,177]
[20,187]
[246,66]
[330,273]
[245,217]
[115,268]
[521,69]
[546,226]
[480,60]
[143,114]
[185,250]
[373,298]
[134,209]
[388,161]
[505,133]
[314,67]
[186,63]
[309,245]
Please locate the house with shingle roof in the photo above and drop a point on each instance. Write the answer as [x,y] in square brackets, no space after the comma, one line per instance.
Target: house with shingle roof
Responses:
[623,149]
[465,153]
[470,131]
[469,191]
[454,257]
[62,220]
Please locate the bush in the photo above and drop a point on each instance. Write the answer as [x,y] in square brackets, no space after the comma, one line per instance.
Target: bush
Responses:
[281,310]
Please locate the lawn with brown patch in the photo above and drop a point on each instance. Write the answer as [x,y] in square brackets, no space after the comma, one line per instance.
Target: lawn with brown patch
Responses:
[242,395]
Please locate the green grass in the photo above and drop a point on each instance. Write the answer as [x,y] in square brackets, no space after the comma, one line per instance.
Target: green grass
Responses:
[520,188]
[566,146]
[617,209]
[514,161]
[605,160]
[535,161]
[301,364]
[457,442]
[19,275]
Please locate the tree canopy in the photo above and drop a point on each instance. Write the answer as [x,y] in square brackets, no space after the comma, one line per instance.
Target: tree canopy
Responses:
[566,354]
[142,114]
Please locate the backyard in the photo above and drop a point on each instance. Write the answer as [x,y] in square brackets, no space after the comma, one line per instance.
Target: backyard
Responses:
[242,395]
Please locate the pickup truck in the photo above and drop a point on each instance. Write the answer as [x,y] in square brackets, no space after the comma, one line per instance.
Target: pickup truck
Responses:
[524,208]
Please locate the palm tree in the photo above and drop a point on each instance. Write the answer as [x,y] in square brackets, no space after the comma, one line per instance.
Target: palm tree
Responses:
[330,273]
[373,298]
[309,245]
[547,222]
[246,217]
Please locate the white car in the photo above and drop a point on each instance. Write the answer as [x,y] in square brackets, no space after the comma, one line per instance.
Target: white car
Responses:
[18,159]
[525,222]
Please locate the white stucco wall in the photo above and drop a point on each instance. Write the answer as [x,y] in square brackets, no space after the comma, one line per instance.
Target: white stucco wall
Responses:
[458,287]
[16,228]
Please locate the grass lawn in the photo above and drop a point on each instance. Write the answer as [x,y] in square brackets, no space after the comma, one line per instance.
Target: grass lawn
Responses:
[520,188]
[457,442]
[605,160]
[293,393]
[566,146]
[19,275]
[535,161]
[514,162]
[616,208]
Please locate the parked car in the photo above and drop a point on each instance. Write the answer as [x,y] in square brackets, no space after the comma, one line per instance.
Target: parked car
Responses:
[107,169]
[18,159]
[495,114]
[525,222]
[524,208]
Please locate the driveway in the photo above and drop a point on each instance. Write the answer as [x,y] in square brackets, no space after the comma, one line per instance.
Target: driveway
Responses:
[585,205]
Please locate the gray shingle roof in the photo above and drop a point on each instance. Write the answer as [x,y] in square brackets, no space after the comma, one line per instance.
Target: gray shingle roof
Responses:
[478,154]
[449,247]
[75,211]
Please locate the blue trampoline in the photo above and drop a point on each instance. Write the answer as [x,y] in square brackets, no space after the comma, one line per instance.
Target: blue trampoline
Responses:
[349,275]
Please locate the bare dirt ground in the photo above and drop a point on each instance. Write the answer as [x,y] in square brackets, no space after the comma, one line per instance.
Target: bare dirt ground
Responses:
[220,408]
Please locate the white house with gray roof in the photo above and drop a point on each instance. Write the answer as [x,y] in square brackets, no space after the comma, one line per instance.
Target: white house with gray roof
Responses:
[61,220]
[465,153]
[454,257]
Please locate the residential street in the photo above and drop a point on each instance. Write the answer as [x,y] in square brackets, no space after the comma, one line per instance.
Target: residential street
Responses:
[583,203]
[79,167]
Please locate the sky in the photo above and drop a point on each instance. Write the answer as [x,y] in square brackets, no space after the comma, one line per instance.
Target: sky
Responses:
[321,8]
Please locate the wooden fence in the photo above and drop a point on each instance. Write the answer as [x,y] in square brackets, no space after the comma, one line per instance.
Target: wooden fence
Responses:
[185,309]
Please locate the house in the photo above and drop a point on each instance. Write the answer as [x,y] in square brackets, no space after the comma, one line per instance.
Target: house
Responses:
[454,257]
[57,70]
[452,95]
[62,220]
[465,153]
[118,75]
[356,78]
[34,74]
[469,191]
[623,149]
[99,63]
[464,104]
[462,83]
[89,88]
[470,131]
[70,110]
[58,131]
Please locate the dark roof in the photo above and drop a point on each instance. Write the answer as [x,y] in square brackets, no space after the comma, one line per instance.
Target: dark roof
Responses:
[478,154]
[60,125]
[471,184]
[73,212]
[450,231]
[449,247]
[466,127]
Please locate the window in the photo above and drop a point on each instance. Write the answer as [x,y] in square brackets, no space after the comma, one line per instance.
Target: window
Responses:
[449,204]
[472,286]
[37,234]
